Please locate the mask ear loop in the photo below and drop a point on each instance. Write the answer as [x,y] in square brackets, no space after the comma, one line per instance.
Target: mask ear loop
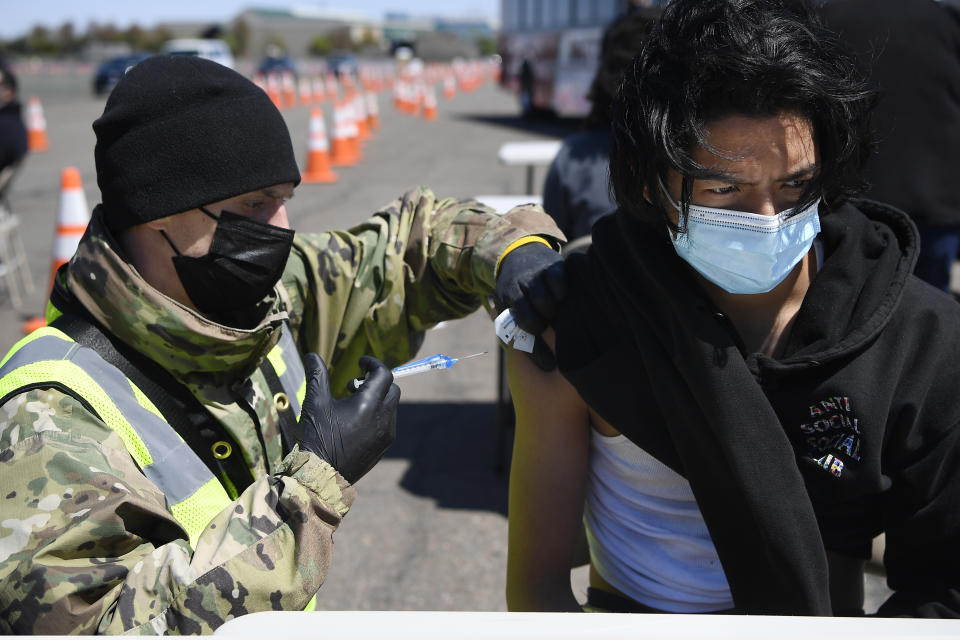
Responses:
[207,212]
[666,193]
[170,242]
[674,235]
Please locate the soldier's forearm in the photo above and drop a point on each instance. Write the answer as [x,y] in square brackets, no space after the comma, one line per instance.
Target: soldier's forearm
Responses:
[278,533]
[467,239]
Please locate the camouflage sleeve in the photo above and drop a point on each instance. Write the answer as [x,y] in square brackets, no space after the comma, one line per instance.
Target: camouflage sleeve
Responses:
[376,288]
[88,546]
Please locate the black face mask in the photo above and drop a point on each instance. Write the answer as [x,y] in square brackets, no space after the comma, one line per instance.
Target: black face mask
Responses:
[245,261]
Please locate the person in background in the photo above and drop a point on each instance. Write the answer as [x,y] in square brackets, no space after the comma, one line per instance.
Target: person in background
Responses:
[179,445]
[751,383]
[910,50]
[576,192]
[13,133]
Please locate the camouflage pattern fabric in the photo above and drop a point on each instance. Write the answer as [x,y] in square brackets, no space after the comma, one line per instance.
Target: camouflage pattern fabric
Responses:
[87,544]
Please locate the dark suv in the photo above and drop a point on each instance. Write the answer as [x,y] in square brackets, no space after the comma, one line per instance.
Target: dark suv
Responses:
[277,64]
[342,63]
[110,72]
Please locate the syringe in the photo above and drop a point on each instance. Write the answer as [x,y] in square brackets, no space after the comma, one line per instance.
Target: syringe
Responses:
[436,361]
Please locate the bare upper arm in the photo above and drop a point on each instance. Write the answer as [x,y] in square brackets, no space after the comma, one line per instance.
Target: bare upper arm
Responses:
[547,484]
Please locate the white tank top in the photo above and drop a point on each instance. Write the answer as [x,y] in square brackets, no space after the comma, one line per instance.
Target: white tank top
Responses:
[647,536]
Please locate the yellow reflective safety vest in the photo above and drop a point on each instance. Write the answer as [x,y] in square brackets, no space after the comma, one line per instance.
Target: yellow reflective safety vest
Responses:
[50,358]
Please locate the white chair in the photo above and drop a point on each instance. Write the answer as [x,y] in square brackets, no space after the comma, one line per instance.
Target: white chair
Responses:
[529,154]
[14,269]
[503,203]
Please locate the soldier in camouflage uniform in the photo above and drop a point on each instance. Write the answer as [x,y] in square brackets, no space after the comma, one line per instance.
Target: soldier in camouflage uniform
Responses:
[88,543]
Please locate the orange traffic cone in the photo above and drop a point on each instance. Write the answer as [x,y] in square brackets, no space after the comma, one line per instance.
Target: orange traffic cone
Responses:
[289,90]
[319,91]
[429,103]
[72,218]
[406,96]
[36,126]
[333,93]
[449,87]
[318,151]
[373,111]
[274,90]
[352,130]
[260,81]
[417,91]
[306,90]
[346,82]
[398,97]
[360,116]
[341,154]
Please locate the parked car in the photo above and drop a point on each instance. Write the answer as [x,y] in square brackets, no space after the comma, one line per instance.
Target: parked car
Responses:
[209,48]
[110,71]
[342,63]
[277,64]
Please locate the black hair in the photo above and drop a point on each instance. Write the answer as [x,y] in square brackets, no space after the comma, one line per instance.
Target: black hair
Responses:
[706,59]
[621,43]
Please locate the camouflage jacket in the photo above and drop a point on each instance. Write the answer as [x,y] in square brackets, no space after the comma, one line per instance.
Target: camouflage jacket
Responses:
[87,544]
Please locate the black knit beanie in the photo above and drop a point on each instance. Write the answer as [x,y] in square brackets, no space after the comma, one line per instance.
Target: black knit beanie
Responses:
[179,132]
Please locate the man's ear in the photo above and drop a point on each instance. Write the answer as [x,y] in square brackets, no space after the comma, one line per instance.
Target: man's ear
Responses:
[646,195]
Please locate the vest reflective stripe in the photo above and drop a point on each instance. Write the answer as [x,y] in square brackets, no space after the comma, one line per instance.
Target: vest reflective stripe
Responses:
[47,355]
[286,362]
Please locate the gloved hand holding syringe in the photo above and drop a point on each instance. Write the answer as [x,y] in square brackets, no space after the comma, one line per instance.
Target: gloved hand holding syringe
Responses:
[436,361]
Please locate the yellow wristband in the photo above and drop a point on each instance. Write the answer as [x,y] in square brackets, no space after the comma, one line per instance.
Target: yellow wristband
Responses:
[518,243]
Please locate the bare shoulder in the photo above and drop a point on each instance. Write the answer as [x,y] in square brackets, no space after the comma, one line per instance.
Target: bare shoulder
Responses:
[548,392]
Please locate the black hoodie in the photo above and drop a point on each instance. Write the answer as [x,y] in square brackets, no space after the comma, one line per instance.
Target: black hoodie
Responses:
[852,431]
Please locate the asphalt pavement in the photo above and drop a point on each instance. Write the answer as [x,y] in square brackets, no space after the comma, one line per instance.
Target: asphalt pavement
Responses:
[429,529]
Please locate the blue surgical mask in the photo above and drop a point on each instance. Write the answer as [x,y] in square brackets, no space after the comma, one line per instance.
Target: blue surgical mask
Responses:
[745,253]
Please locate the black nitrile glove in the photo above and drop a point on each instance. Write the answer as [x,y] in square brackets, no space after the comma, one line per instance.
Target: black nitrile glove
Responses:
[353,433]
[531,284]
